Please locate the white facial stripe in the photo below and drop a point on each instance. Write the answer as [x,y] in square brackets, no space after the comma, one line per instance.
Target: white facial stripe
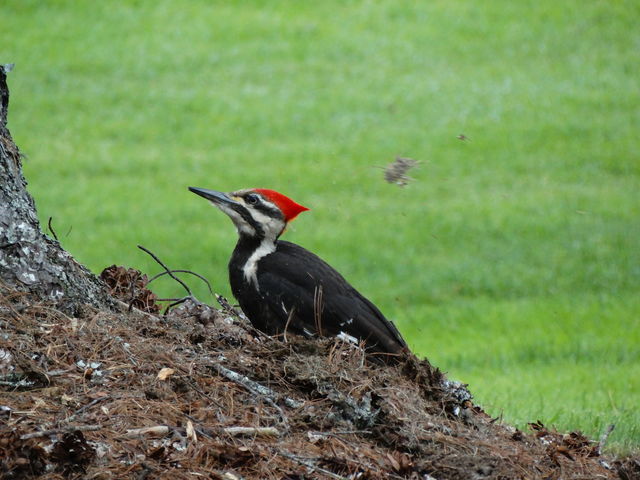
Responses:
[250,268]
[272,226]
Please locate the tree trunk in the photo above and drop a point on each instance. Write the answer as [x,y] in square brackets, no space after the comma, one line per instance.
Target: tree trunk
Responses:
[29,260]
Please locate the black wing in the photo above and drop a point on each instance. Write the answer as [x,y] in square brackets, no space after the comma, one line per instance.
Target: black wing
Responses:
[300,288]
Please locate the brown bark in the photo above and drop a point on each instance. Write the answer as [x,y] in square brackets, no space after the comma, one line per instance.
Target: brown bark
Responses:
[29,260]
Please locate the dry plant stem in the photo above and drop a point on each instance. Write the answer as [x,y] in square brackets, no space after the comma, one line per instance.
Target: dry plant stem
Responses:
[286,325]
[317,309]
[53,232]
[254,387]
[604,437]
[336,434]
[163,430]
[86,407]
[56,373]
[125,308]
[155,431]
[309,463]
[198,390]
[17,384]
[169,272]
[45,433]
[227,307]
[183,271]
[200,431]
[177,302]
[253,431]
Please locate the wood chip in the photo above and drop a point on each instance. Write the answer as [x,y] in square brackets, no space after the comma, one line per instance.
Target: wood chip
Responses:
[165,373]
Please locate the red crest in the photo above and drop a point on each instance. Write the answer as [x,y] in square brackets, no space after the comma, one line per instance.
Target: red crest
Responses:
[289,208]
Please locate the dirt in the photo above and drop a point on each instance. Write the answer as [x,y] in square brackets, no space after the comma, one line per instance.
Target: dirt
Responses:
[199,393]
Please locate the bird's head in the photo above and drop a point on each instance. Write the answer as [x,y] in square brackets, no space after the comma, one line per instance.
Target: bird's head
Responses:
[256,212]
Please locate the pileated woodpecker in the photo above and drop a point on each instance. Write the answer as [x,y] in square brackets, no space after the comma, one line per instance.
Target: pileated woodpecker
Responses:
[282,287]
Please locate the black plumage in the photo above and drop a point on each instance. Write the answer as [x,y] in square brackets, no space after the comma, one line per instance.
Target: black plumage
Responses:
[284,288]
[300,291]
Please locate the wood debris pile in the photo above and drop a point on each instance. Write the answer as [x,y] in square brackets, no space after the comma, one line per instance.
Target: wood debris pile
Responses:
[200,393]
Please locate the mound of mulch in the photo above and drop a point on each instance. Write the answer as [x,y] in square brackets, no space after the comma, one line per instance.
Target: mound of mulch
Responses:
[199,393]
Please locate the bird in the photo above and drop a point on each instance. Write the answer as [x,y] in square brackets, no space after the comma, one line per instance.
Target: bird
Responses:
[282,287]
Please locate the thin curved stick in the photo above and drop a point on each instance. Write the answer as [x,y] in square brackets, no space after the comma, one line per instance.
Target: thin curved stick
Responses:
[183,271]
[177,302]
[167,269]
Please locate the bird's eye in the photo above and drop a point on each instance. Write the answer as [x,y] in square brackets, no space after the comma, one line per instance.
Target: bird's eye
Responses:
[251,199]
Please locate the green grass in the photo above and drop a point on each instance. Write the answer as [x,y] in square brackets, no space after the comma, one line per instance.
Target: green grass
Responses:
[569,361]
[512,261]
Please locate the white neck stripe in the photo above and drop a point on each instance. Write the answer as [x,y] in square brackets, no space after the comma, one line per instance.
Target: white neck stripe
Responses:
[250,268]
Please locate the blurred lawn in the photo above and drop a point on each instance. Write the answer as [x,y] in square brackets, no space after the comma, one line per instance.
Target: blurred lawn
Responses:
[512,261]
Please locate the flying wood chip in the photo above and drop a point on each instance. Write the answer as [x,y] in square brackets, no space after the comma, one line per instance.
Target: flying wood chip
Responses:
[396,172]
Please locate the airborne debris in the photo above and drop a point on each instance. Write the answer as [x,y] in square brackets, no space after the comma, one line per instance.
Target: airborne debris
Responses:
[396,172]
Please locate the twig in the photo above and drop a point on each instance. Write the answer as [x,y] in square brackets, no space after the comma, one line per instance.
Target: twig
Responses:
[202,431]
[317,309]
[85,407]
[169,272]
[177,302]
[261,391]
[45,433]
[155,431]
[286,325]
[62,371]
[123,305]
[335,434]
[255,431]
[163,430]
[309,463]
[254,387]
[604,437]
[21,383]
[195,386]
[53,232]
[184,271]
[226,306]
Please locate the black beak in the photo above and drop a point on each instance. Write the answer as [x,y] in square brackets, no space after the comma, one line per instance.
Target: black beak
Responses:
[219,198]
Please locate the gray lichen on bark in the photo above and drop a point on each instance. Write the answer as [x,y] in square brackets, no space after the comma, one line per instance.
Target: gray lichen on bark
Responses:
[29,260]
